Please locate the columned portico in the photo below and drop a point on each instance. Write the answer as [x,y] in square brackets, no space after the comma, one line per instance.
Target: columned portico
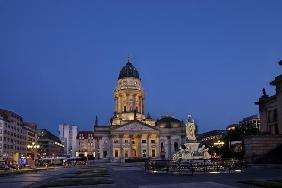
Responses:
[133,140]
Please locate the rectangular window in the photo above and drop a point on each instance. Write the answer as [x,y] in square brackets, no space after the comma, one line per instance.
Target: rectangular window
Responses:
[115,141]
[105,153]
[276,129]
[116,153]
[126,141]
[126,154]
[144,153]
[275,115]
[153,153]
[153,141]
[143,141]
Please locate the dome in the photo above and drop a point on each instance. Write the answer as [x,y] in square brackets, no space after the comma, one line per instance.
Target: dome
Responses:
[128,71]
[168,122]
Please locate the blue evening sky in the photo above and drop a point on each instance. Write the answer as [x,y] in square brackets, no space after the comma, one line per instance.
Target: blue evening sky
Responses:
[60,59]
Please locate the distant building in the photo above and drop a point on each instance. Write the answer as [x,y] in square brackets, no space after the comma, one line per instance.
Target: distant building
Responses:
[68,134]
[231,127]
[50,145]
[13,136]
[86,144]
[250,122]
[211,138]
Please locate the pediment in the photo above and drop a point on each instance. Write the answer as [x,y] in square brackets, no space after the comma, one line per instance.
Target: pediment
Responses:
[135,126]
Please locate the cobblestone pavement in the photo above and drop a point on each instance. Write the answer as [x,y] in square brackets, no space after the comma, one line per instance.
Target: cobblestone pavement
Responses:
[133,176]
[26,180]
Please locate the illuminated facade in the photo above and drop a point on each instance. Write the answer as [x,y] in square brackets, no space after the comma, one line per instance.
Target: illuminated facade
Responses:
[131,133]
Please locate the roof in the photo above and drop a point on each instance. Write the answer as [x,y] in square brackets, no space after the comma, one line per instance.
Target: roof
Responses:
[43,134]
[128,71]
[168,119]
[250,118]
[9,115]
[277,80]
[85,134]
[132,122]
[212,133]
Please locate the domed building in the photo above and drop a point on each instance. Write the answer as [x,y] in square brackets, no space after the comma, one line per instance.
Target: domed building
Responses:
[130,133]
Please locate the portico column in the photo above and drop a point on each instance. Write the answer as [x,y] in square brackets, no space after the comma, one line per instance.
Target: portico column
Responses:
[130,146]
[169,146]
[110,148]
[140,145]
[148,145]
[121,148]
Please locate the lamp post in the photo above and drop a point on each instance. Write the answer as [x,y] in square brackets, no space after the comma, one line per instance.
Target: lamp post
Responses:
[33,147]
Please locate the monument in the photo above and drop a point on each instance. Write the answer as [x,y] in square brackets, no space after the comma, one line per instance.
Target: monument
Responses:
[191,148]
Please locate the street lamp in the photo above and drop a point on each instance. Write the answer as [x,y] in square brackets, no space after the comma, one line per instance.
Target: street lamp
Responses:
[218,143]
[33,147]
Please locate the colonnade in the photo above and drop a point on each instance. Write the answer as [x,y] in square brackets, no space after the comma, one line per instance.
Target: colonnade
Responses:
[135,145]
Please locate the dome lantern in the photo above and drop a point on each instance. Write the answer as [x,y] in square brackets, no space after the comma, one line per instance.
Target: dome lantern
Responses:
[128,71]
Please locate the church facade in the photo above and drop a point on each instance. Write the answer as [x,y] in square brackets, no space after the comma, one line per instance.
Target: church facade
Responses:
[131,133]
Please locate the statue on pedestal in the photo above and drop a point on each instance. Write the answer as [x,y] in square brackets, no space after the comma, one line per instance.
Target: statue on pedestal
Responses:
[190,128]
[191,147]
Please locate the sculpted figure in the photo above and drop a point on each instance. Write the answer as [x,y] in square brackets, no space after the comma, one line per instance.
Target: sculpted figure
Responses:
[201,149]
[206,153]
[190,128]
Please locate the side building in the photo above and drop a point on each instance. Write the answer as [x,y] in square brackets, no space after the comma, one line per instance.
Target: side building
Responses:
[68,136]
[49,144]
[15,135]
[270,108]
[250,123]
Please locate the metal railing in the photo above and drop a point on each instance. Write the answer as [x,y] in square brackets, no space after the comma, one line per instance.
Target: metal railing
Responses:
[195,166]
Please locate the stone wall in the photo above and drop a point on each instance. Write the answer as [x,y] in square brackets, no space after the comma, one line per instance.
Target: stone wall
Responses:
[257,146]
